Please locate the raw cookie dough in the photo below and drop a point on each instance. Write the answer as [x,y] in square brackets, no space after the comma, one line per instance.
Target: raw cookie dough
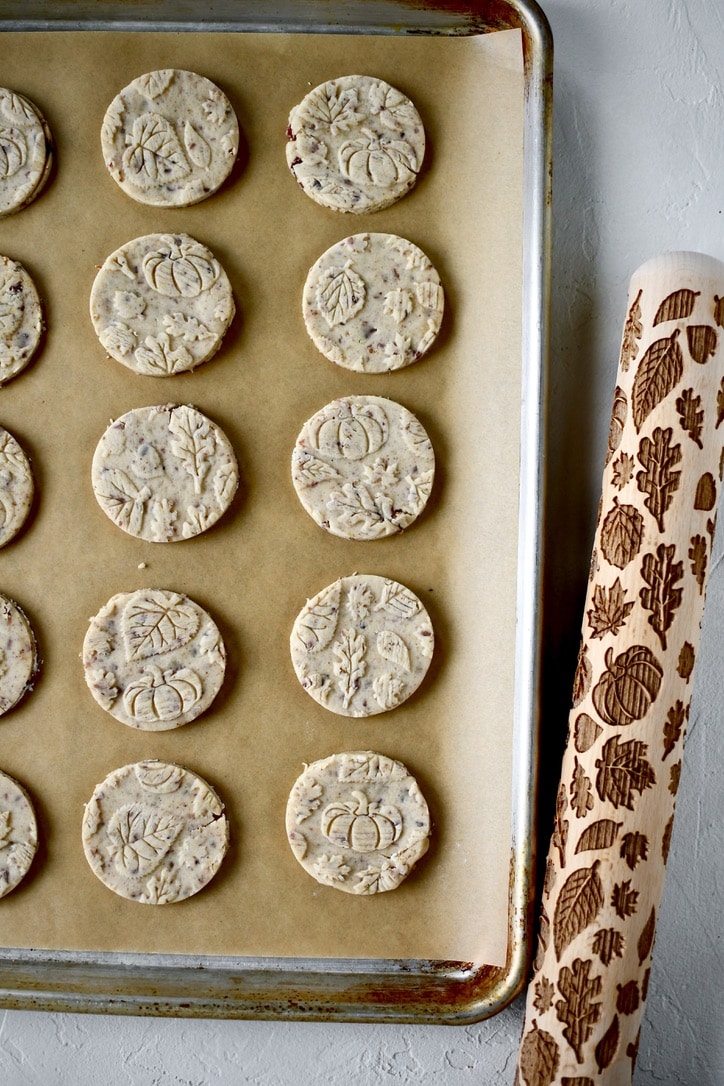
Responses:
[19,662]
[154,832]
[16,487]
[18,833]
[362,645]
[357,822]
[373,303]
[153,659]
[363,467]
[26,151]
[164,473]
[355,144]
[21,318]
[161,304]
[170,138]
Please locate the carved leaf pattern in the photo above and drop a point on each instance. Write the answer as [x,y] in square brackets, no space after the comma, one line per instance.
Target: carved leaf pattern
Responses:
[608,943]
[341,295]
[609,610]
[679,305]
[606,1048]
[539,1057]
[577,1010]
[624,900]
[544,994]
[628,1000]
[125,501]
[691,414]
[632,332]
[350,664]
[599,835]
[674,727]
[579,903]
[621,534]
[659,372]
[685,665]
[585,732]
[698,554]
[702,340]
[581,792]
[661,596]
[659,480]
[398,600]
[160,778]
[193,443]
[392,648]
[623,771]
[154,152]
[156,622]
[196,146]
[646,939]
[316,625]
[634,848]
[139,838]
[560,831]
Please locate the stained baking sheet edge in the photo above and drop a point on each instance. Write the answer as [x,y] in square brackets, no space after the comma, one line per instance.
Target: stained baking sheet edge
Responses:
[358,989]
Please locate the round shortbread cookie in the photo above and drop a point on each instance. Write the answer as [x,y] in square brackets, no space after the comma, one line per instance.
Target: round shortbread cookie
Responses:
[154,659]
[154,832]
[161,304]
[170,138]
[21,318]
[363,467]
[362,645]
[373,303]
[355,144]
[19,661]
[357,822]
[26,151]
[16,487]
[164,473]
[18,833]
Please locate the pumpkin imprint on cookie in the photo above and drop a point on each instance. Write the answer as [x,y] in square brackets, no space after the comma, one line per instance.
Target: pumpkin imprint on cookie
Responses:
[161,304]
[154,659]
[357,822]
[363,467]
[355,144]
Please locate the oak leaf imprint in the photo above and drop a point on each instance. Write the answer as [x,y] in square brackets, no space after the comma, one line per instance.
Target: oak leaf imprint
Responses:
[193,443]
[350,664]
[659,480]
[632,332]
[560,831]
[661,596]
[581,793]
[674,726]
[691,414]
[698,554]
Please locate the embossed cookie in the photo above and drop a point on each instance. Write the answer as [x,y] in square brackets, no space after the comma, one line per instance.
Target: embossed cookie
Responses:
[170,138]
[154,832]
[355,144]
[164,473]
[357,822]
[363,467]
[161,304]
[362,645]
[153,659]
[373,303]
[21,318]
[16,487]
[26,151]
[19,662]
[18,833]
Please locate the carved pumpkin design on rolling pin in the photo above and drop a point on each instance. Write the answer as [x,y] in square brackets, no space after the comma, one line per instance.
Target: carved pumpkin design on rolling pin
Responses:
[632,689]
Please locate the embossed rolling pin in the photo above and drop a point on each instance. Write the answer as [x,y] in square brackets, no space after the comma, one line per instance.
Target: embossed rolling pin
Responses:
[632,689]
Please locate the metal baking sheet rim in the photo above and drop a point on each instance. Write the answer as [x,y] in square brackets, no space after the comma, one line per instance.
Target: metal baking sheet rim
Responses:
[359,990]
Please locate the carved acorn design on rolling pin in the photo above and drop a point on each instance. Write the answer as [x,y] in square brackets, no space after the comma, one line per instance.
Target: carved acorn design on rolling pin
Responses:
[632,689]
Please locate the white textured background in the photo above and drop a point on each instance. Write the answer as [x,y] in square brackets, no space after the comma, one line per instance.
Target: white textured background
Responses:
[639,169]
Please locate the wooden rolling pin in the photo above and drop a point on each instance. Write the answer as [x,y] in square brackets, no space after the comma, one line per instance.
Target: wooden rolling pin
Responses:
[632,689]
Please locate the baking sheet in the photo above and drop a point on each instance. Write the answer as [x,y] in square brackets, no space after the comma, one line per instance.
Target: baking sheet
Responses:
[254,570]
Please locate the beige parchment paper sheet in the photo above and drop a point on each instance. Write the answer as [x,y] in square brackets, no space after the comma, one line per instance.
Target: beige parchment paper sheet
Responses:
[254,571]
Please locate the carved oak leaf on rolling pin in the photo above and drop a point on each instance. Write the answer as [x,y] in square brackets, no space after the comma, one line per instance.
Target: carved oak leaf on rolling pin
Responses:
[615,803]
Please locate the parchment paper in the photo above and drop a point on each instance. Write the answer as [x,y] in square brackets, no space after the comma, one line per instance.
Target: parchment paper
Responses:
[255,570]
